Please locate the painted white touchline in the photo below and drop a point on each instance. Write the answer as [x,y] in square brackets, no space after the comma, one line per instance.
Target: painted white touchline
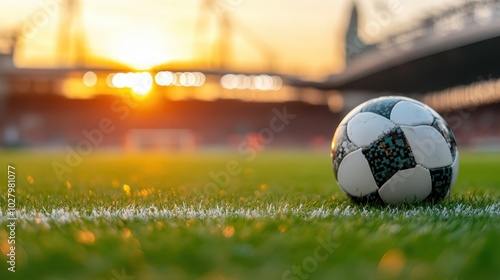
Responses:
[63,216]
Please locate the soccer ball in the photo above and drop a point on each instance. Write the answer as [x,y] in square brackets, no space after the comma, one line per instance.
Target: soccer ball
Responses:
[392,150]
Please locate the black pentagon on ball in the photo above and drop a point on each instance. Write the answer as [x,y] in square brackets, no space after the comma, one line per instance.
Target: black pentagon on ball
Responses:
[441,126]
[341,148]
[441,181]
[381,106]
[389,154]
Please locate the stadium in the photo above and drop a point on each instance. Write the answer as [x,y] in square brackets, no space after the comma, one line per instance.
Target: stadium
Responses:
[195,139]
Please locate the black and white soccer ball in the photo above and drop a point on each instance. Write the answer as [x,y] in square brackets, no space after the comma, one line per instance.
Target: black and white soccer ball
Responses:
[392,150]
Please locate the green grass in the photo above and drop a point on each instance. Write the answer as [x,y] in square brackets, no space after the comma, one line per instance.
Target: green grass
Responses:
[277,212]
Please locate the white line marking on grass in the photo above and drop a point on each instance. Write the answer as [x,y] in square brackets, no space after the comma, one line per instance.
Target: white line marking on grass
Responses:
[176,212]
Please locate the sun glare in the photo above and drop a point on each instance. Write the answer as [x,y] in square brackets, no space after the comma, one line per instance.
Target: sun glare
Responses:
[140,49]
[139,82]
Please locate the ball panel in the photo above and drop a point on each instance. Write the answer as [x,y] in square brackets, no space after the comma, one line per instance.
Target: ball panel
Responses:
[381,106]
[354,176]
[441,126]
[389,154]
[371,198]
[365,128]
[407,185]
[433,112]
[454,171]
[428,146]
[409,113]
[353,112]
[441,181]
[404,98]
[341,146]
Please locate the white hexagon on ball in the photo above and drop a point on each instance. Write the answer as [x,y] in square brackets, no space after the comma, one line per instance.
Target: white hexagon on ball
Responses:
[407,185]
[356,183]
[428,146]
[410,113]
[366,127]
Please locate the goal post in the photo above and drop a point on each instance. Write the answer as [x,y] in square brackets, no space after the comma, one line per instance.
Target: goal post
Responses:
[176,140]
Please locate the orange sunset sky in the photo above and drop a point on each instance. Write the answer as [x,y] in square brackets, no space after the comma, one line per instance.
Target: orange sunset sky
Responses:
[304,36]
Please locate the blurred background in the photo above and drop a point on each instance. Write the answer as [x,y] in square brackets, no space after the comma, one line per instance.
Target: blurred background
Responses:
[190,75]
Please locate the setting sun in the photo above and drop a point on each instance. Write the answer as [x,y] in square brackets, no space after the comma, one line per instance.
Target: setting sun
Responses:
[140,49]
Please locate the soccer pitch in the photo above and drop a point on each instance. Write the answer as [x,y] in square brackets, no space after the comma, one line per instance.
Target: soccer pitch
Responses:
[278,215]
